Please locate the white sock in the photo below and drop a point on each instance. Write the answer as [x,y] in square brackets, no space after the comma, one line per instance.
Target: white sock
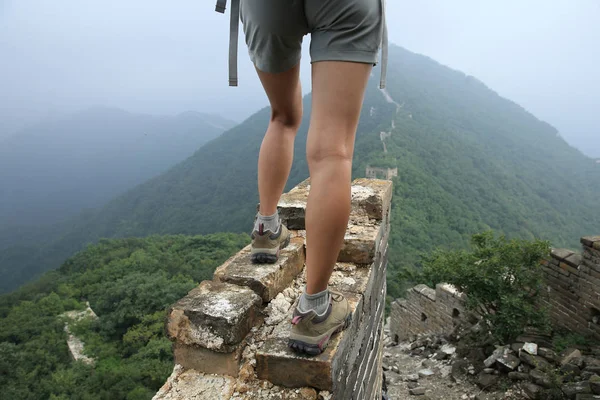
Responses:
[318,302]
[270,222]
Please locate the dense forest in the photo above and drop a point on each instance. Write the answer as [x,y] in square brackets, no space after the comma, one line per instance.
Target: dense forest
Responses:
[129,283]
[468,160]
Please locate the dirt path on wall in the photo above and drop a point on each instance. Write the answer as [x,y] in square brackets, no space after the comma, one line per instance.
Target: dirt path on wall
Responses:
[404,368]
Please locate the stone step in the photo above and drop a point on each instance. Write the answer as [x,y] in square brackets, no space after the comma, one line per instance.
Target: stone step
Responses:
[365,289]
[361,243]
[201,359]
[266,280]
[591,241]
[278,364]
[368,223]
[371,199]
[230,334]
[214,315]
[189,384]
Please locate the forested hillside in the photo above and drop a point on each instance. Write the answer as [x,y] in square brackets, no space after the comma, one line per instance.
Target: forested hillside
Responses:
[467,160]
[129,283]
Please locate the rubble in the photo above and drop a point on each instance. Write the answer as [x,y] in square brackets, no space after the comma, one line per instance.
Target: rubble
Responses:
[435,367]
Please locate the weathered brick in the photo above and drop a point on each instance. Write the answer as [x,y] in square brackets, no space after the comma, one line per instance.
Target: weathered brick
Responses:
[574,260]
[561,254]
[191,384]
[212,342]
[425,291]
[568,268]
[266,280]
[277,363]
[361,243]
[590,240]
[213,315]
[371,198]
[204,360]
[350,278]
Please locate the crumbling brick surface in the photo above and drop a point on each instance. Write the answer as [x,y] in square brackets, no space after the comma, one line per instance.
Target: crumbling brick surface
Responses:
[573,291]
[230,334]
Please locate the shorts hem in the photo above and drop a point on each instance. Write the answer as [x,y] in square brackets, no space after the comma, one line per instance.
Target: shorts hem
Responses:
[279,67]
[358,56]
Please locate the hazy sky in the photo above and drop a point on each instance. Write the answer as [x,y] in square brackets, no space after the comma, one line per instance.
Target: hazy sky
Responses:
[170,56]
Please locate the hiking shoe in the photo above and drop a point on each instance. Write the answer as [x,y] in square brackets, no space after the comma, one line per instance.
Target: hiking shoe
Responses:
[310,332]
[267,245]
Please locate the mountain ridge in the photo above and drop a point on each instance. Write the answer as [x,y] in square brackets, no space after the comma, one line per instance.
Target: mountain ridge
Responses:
[468,160]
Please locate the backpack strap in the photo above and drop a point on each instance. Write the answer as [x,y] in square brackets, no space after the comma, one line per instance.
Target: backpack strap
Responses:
[221,6]
[234,27]
[384,48]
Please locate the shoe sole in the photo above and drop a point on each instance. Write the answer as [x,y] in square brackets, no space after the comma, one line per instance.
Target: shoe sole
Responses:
[265,256]
[314,349]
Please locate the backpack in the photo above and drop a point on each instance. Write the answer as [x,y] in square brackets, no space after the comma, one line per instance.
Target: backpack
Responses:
[234,28]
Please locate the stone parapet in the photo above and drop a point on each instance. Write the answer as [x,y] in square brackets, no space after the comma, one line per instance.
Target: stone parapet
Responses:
[426,311]
[572,297]
[230,334]
[573,287]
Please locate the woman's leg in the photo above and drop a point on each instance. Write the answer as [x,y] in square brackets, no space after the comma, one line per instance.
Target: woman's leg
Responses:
[277,149]
[275,161]
[338,92]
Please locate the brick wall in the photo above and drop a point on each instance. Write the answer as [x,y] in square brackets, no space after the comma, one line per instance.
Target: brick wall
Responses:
[230,334]
[573,297]
[573,291]
[426,311]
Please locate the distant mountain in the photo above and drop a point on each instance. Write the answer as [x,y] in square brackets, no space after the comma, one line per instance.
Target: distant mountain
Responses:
[467,160]
[54,170]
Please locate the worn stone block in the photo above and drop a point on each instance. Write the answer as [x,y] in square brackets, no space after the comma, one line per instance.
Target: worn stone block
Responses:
[266,280]
[371,198]
[574,260]
[426,291]
[190,384]
[587,397]
[350,278]
[214,315]
[361,243]
[590,240]
[571,389]
[278,364]
[208,361]
[567,267]
[561,254]
[292,206]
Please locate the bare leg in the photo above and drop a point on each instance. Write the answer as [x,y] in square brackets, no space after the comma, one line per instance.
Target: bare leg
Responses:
[338,92]
[277,149]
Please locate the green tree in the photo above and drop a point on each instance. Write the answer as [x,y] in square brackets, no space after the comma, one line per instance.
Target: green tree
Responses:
[501,278]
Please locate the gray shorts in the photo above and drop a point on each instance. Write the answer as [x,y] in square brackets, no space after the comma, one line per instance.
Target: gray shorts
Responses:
[341,30]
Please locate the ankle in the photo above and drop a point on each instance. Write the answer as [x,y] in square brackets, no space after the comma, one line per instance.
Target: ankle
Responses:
[269,222]
[318,302]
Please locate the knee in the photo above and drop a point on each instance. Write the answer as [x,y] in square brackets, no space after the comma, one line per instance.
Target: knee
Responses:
[316,155]
[290,119]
